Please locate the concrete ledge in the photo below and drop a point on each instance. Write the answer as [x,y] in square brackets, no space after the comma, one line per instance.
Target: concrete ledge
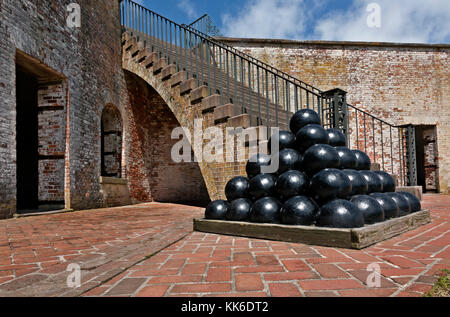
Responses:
[224,112]
[188,85]
[211,102]
[415,190]
[159,65]
[177,78]
[168,71]
[44,213]
[240,121]
[198,94]
[341,238]
[150,60]
[113,181]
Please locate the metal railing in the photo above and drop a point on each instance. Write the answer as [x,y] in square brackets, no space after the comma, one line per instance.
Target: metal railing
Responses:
[205,25]
[267,95]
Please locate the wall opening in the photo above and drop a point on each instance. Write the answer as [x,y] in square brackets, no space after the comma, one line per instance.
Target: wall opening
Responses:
[111,147]
[40,135]
[427,158]
[151,172]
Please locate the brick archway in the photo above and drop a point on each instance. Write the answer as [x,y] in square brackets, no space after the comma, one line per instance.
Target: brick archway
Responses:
[152,175]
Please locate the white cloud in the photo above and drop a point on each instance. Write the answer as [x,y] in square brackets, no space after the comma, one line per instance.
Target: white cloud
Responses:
[188,7]
[267,19]
[416,21]
[420,21]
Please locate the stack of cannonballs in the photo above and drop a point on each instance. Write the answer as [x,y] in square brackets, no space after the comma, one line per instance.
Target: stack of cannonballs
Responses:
[319,182]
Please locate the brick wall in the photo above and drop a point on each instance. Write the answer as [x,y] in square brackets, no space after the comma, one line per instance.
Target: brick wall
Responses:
[89,58]
[401,84]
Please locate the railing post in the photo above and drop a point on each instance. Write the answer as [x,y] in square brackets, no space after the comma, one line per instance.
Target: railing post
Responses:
[339,109]
[411,162]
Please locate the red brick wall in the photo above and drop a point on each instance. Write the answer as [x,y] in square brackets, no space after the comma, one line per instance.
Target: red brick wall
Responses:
[401,84]
[152,175]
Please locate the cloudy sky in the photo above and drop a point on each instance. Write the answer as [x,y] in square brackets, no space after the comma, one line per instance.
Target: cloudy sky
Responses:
[413,21]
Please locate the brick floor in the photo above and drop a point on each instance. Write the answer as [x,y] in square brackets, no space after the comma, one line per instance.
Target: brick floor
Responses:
[114,247]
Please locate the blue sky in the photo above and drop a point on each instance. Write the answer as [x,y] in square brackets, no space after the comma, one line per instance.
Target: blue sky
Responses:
[418,21]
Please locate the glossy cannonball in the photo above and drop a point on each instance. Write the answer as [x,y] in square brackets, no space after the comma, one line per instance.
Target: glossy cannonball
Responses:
[310,135]
[290,184]
[286,141]
[217,210]
[266,210]
[319,157]
[340,213]
[363,162]
[371,209]
[347,158]
[262,185]
[402,203]
[374,182]
[413,201]
[255,164]
[299,211]
[239,210]
[237,188]
[289,159]
[390,207]
[330,184]
[336,137]
[359,183]
[387,180]
[302,118]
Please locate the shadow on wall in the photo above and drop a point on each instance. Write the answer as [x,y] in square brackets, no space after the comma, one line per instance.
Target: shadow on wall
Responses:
[152,174]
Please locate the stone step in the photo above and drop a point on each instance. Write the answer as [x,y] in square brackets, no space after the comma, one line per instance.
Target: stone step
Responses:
[187,86]
[168,71]
[177,78]
[198,94]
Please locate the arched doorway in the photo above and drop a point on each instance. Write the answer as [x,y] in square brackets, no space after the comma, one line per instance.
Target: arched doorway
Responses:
[151,172]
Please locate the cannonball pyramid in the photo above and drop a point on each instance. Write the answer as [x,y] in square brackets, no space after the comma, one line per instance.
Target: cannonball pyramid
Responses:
[320,182]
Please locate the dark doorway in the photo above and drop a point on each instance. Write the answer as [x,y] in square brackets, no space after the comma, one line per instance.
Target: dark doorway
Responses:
[27,141]
[427,158]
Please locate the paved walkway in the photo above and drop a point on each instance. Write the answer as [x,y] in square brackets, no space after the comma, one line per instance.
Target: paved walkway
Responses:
[149,250]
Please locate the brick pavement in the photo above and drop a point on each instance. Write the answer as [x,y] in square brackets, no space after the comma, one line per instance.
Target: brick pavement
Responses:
[214,265]
[115,248]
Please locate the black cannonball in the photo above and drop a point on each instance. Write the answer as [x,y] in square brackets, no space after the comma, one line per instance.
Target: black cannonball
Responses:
[319,157]
[387,180]
[266,210]
[289,159]
[374,182]
[302,118]
[362,160]
[371,209]
[413,201]
[287,140]
[217,210]
[239,210]
[299,211]
[390,207]
[347,158]
[255,164]
[330,184]
[340,213]
[359,183]
[237,188]
[402,203]
[310,135]
[262,185]
[290,184]
[336,137]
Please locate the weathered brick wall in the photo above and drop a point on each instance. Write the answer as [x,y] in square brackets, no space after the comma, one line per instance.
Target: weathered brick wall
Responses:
[90,60]
[151,172]
[401,84]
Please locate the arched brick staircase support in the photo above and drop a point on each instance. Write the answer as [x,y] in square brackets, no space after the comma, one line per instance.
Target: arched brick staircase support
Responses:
[187,102]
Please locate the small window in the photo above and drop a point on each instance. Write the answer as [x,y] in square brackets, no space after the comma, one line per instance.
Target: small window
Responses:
[111,142]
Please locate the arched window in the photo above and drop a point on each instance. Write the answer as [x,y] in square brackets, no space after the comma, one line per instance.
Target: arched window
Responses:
[111,142]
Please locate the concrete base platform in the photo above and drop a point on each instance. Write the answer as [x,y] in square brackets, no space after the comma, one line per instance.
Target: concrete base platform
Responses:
[415,190]
[341,238]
